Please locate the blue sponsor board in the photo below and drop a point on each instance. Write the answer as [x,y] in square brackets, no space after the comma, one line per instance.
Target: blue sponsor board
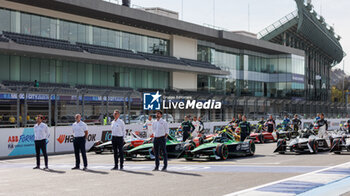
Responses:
[25,145]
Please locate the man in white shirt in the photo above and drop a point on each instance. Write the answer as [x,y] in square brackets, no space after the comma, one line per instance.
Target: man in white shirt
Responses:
[160,130]
[80,132]
[118,134]
[196,125]
[41,134]
[148,125]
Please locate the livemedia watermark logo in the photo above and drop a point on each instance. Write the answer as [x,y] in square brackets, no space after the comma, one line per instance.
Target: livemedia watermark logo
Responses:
[154,101]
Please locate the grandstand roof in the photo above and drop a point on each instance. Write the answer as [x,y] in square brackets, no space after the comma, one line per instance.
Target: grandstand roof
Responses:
[102,10]
[312,27]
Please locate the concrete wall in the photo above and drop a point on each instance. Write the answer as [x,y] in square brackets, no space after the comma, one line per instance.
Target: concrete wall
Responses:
[183,80]
[183,47]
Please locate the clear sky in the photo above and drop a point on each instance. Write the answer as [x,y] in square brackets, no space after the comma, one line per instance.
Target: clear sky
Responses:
[233,14]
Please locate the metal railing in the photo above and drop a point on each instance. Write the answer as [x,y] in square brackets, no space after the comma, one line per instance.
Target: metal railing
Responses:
[278,24]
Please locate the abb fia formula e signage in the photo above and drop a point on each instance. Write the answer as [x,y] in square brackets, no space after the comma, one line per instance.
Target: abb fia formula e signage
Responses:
[20,141]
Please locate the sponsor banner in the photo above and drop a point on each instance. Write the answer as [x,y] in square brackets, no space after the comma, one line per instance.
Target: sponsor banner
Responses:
[45,97]
[20,141]
[64,138]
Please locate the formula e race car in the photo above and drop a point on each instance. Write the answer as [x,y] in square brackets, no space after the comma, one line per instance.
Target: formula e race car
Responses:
[221,147]
[307,141]
[286,132]
[173,145]
[261,135]
[100,147]
[340,140]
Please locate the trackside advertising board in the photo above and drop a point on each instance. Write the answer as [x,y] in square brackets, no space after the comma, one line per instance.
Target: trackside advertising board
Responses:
[20,141]
[64,136]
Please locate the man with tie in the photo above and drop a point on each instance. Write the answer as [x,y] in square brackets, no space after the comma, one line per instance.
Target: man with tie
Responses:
[118,134]
[80,132]
[41,134]
[160,131]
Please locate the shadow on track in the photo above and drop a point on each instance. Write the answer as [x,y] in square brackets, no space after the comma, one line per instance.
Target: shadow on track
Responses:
[136,172]
[183,173]
[95,171]
[54,171]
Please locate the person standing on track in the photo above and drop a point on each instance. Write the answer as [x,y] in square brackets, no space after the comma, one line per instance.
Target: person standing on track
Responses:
[118,134]
[271,124]
[262,121]
[233,121]
[239,120]
[80,131]
[148,125]
[245,128]
[187,127]
[41,135]
[160,130]
[201,125]
[318,117]
[196,125]
[296,122]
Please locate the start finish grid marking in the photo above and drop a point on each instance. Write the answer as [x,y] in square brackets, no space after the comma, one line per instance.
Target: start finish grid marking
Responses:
[179,167]
[306,184]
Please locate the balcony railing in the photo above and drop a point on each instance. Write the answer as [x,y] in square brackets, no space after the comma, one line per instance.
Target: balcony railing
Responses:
[278,24]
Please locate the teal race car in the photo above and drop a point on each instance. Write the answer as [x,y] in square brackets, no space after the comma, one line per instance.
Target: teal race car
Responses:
[173,145]
[221,147]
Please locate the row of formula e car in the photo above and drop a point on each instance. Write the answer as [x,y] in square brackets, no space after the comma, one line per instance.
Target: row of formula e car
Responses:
[263,133]
[314,140]
[226,143]
[218,146]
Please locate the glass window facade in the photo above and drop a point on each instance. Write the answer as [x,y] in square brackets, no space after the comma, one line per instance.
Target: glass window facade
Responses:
[251,75]
[22,68]
[75,32]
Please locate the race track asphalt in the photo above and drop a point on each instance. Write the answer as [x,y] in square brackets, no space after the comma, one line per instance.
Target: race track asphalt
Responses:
[199,177]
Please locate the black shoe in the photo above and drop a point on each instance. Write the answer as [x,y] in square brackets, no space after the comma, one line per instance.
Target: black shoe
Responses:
[75,168]
[115,168]
[164,169]
[121,168]
[85,168]
[37,167]
[46,168]
[155,169]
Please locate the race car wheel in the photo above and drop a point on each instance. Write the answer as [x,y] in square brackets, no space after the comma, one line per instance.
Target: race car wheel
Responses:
[188,148]
[251,148]
[222,151]
[281,143]
[314,146]
[336,146]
